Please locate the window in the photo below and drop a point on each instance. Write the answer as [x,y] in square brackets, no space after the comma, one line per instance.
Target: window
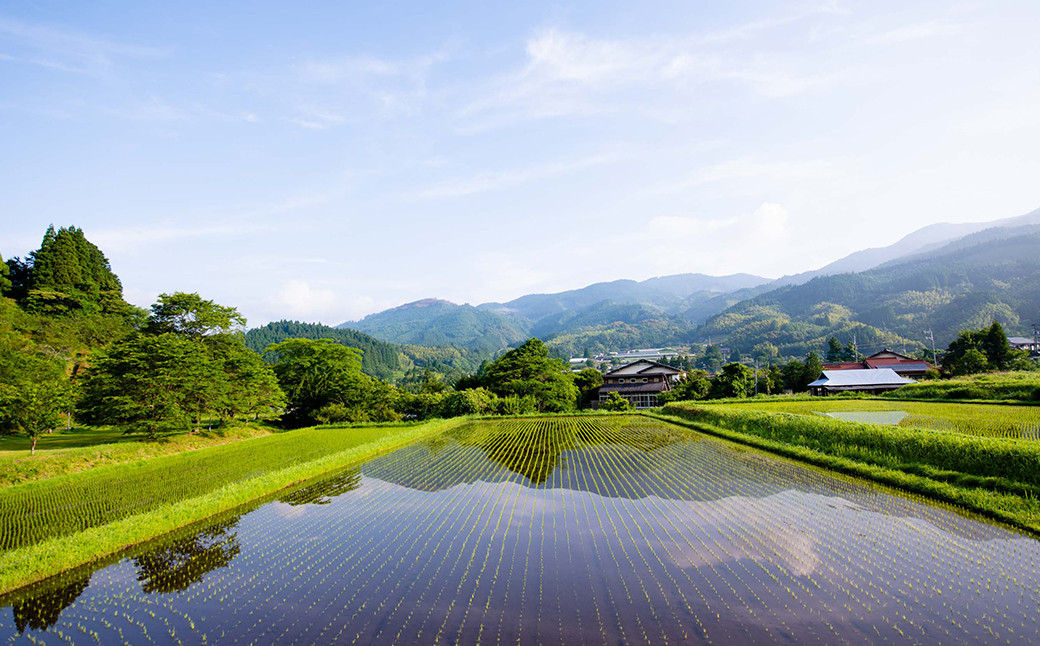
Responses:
[621,381]
[644,380]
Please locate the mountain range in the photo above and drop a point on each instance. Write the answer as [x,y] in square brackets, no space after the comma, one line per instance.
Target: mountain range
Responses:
[943,278]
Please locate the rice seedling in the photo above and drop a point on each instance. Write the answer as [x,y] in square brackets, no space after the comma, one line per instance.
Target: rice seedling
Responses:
[561,530]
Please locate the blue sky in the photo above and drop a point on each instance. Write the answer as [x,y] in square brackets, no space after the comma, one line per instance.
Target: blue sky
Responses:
[326,160]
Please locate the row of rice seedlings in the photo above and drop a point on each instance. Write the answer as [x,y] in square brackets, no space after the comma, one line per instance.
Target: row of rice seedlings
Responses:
[37,511]
[843,552]
[631,536]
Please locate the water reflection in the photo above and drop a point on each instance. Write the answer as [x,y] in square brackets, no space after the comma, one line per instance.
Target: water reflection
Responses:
[323,491]
[177,565]
[547,531]
[43,607]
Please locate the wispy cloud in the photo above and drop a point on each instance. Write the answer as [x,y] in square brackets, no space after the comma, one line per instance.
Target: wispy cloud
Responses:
[493,181]
[68,50]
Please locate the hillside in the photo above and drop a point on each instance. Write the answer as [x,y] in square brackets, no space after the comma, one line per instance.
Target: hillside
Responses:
[603,316]
[388,361]
[993,274]
[435,322]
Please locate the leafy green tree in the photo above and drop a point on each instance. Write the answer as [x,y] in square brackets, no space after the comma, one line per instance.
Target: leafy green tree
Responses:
[616,403]
[5,277]
[975,351]
[588,382]
[147,381]
[18,271]
[996,347]
[192,316]
[712,359]
[735,380]
[850,353]
[475,401]
[249,385]
[313,374]
[529,371]
[793,374]
[34,401]
[811,371]
[835,352]
[695,385]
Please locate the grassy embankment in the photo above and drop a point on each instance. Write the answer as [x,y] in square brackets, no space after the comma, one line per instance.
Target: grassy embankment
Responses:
[1008,421]
[993,386]
[81,518]
[79,449]
[996,477]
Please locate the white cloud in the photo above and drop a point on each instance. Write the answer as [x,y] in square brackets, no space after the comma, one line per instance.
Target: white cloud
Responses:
[770,221]
[297,299]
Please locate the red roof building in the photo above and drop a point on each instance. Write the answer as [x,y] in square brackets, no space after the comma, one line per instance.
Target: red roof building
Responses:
[903,365]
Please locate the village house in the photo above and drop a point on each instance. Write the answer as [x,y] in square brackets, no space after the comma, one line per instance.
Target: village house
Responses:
[640,382]
[872,381]
[901,364]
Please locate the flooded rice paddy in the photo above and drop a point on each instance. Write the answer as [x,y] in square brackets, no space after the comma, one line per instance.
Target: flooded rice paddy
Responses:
[560,531]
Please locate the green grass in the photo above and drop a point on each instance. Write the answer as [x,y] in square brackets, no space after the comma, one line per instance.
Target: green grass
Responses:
[999,478]
[1005,386]
[65,452]
[32,563]
[989,420]
[66,504]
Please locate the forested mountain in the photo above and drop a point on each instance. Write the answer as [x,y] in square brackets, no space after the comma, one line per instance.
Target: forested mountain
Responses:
[966,284]
[433,322]
[600,317]
[924,240]
[387,361]
[379,359]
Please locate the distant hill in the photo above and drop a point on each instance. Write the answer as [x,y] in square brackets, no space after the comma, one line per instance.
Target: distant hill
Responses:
[599,317]
[379,359]
[942,277]
[923,240]
[436,322]
[991,274]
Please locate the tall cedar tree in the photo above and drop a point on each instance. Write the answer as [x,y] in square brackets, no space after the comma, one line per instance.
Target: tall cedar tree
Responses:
[69,273]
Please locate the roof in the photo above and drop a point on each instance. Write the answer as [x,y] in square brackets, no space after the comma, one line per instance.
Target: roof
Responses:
[653,387]
[1020,340]
[643,368]
[868,377]
[889,354]
[900,365]
[844,365]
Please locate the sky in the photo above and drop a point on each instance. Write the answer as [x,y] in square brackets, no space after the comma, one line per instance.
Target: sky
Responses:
[321,161]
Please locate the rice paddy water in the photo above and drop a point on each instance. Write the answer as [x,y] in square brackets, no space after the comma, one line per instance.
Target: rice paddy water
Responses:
[560,530]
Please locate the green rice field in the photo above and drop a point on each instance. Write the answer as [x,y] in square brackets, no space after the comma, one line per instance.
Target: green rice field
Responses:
[988,420]
[599,529]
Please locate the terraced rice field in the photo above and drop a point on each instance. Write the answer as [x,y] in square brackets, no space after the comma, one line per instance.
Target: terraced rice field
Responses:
[988,420]
[560,530]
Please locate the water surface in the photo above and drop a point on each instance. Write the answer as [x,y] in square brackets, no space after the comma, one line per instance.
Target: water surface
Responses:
[614,530]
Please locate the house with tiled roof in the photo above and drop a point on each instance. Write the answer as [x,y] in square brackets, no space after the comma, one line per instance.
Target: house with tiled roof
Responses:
[640,382]
[901,364]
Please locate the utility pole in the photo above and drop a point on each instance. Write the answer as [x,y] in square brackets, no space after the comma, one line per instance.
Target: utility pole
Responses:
[756,375]
[855,347]
[1036,340]
[935,358]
